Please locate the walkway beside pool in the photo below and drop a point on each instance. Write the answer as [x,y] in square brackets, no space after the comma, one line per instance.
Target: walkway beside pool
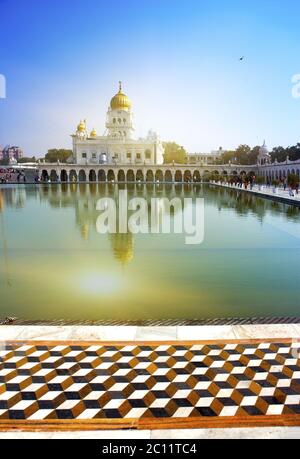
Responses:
[143,378]
[276,194]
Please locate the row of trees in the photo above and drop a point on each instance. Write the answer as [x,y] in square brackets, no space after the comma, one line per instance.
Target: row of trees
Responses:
[243,154]
[247,155]
[58,154]
[281,153]
[174,152]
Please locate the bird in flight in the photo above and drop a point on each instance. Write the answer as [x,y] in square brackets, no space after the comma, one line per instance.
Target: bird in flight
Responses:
[241,58]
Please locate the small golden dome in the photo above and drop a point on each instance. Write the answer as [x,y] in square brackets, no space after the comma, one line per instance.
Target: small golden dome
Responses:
[81,126]
[93,133]
[120,101]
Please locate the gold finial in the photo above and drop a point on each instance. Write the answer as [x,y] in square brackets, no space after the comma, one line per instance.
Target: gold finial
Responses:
[120,101]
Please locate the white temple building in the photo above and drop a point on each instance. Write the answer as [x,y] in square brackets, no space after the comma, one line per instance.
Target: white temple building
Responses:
[264,156]
[117,145]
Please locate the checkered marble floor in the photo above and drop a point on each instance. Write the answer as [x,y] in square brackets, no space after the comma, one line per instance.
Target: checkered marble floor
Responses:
[141,385]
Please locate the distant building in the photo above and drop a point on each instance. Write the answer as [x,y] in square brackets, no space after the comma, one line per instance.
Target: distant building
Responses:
[205,158]
[11,153]
[264,156]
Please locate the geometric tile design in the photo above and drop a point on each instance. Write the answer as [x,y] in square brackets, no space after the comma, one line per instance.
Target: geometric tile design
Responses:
[149,384]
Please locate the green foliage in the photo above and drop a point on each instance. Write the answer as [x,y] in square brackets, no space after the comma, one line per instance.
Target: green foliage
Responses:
[227,156]
[275,182]
[60,154]
[4,162]
[174,152]
[252,157]
[207,176]
[27,160]
[281,153]
[293,180]
[260,180]
[242,155]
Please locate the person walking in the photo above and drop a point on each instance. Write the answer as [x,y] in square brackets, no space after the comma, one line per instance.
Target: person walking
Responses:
[284,183]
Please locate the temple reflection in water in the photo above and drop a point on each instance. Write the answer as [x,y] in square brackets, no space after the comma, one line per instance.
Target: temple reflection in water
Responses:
[49,237]
[83,199]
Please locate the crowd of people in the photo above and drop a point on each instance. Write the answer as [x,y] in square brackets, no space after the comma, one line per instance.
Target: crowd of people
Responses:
[248,182]
[8,175]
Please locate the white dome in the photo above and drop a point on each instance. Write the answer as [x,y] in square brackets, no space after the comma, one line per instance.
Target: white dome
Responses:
[263,151]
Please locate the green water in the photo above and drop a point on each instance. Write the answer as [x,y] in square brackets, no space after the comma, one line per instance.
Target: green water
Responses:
[55,265]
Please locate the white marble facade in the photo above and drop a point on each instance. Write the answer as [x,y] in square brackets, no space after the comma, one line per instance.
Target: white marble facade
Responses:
[117,145]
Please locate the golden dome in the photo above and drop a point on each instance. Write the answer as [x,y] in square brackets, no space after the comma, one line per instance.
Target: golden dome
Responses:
[81,126]
[93,133]
[120,101]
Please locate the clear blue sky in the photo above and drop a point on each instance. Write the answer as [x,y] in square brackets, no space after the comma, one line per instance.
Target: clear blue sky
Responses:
[178,60]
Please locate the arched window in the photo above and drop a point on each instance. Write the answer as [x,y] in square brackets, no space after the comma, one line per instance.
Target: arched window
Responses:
[73,176]
[178,176]
[92,176]
[53,176]
[187,176]
[130,176]
[101,176]
[82,176]
[140,176]
[110,175]
[149,176]
[121,176]
[64,176]
[168,176]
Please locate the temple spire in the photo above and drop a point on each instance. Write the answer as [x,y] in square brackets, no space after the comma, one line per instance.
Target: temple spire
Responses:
[120,86]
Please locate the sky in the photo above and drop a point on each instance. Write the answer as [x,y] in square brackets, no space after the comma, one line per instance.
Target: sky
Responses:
[178,61]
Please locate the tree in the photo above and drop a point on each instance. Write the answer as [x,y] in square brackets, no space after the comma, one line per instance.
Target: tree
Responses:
[60,154]
[227,156]
[242,154]
[253,155]
[27,160]
[293,180]
[174,152]
[294,152]
[281,153]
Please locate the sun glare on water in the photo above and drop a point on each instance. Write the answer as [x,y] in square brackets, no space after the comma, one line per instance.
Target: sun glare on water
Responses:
[100,284]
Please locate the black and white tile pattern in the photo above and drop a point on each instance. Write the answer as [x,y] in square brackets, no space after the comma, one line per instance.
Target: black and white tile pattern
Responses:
[80,381]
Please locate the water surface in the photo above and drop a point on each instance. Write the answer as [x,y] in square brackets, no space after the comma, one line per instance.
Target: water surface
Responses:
[55,265]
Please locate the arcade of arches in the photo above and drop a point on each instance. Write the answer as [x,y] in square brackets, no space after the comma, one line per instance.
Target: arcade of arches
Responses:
[114,174]
[160,174]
